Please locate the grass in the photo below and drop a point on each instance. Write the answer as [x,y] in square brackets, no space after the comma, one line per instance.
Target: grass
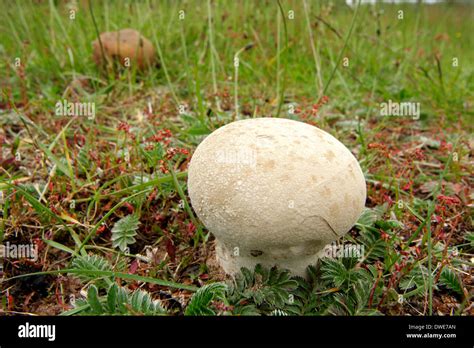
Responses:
[65,181]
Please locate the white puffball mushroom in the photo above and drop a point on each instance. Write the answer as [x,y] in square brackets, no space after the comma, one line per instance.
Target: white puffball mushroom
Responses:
[274,191]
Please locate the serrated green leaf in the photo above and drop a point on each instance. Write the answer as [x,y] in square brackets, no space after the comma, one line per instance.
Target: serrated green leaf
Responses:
[92,263]
[451,280]
[368,217]
[201,300]
[124,231]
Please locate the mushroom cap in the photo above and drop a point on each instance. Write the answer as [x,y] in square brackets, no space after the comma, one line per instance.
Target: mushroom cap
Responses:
[275,186]
[125,43]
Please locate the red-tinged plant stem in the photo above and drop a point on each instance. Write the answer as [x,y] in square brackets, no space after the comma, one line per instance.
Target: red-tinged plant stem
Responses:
[372,291]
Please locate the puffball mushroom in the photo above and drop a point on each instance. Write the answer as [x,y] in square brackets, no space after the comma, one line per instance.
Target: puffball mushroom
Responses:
[124,46]
[274,191]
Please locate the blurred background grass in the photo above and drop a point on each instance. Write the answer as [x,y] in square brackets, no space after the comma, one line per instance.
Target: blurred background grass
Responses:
[389,58]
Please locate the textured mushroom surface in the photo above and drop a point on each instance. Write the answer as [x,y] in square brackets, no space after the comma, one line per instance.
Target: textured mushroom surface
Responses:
[274,191]
[123,44]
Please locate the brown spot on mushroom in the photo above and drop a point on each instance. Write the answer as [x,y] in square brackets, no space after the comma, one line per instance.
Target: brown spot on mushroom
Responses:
[326,192]
[351,172]
[256,253]
[329,155]
[334,208]
[269,165]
